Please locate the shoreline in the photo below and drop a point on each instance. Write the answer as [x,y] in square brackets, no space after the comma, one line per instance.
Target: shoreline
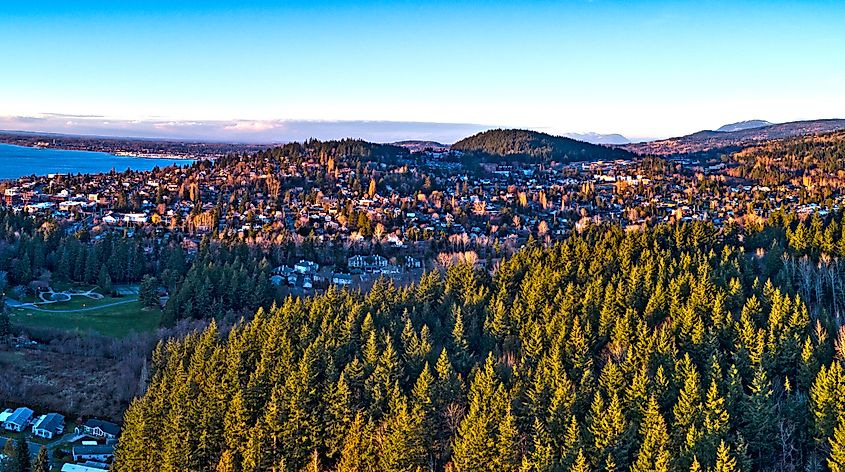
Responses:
[129,154]
[18,162]
[129,147]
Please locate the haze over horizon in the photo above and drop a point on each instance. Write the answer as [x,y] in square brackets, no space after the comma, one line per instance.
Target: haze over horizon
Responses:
[383,71]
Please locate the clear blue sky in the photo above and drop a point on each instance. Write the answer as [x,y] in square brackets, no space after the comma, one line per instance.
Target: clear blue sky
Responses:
[641,68]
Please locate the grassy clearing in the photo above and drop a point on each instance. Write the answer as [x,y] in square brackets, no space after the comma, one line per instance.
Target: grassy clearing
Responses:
[114,320]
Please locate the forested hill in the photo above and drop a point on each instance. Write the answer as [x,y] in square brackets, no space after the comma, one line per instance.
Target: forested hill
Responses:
[536,146]
[679,348]
[806,161]
[324,150]
[719,142]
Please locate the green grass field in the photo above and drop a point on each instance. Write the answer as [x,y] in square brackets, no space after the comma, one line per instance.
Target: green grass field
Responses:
[115,321]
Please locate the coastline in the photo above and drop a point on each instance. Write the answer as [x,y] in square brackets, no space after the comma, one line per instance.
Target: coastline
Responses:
[18,161]
[162,149]
[177,157]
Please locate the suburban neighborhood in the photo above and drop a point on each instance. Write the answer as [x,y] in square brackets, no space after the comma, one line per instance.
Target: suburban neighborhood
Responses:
[89,445]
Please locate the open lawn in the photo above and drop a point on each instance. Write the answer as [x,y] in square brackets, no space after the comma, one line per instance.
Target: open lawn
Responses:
[115,317]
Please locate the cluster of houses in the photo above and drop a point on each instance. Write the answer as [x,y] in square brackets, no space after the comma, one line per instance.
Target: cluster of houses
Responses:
[92,446]
[413,204]
[45,426]
[306,274]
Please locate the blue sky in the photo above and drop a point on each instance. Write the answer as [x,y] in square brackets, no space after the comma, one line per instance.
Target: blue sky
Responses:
[640,68]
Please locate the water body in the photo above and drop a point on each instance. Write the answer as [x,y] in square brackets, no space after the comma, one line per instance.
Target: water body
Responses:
[19,161]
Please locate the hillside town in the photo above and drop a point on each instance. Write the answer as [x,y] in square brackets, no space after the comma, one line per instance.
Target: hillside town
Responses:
[393,216]
[306,219]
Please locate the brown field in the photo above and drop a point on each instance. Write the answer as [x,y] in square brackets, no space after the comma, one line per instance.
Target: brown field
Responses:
[72,384]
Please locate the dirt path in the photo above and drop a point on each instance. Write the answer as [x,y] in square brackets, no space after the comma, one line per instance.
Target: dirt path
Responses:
[28,306]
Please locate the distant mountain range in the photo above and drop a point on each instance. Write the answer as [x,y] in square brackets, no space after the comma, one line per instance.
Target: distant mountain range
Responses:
[726,141]
[536,146]
[597,138]
[744,125]
[420,146]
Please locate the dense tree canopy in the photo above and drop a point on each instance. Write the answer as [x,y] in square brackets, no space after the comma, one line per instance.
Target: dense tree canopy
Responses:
[682,347]
[535,145]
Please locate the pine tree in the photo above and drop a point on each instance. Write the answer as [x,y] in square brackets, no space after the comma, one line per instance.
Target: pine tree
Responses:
[687,412]
[695,466]
[226,462]
[836,460]
[759,419]
[236,428]
[475,447]
[104,280]
[724,461]
[461,356]
[580,464]
[610,430]
[147,292]
[42,462]
[403,445]
[22,461]
[508,444]
[358,451]
[653,455]
[5,322]
[716,421]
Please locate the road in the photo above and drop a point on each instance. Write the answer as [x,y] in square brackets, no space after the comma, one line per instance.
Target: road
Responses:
[34,447]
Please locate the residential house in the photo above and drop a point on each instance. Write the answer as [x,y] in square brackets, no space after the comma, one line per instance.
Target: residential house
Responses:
[99,429]
[135,218]
[306,267]
[342,280]
[390,269]
[18,420]
[48,426]
[101,453]
[81,468]
[367,263]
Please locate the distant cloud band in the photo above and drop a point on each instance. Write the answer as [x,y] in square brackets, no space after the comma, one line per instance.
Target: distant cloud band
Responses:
[246,131]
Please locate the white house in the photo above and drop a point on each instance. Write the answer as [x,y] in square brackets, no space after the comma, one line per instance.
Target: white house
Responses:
[80,468]
[18,420]
[49,425]
[367,263]
[102,453]
[342,279]
[306,267]
[395,240]
[99,429]
[135,218]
